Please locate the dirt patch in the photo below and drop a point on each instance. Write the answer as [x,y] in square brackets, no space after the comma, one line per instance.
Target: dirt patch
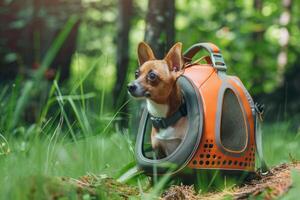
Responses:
[102,186]
[86,187]
[269,186]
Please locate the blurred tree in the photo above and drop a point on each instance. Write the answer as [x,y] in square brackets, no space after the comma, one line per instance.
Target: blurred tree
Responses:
[258,37]
[160,35]
[28,29]
[284,38]
[122,54]
[283,103]
[160,30]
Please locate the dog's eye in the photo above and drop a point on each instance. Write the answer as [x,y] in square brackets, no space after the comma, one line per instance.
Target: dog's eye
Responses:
[137,74]
[152,76]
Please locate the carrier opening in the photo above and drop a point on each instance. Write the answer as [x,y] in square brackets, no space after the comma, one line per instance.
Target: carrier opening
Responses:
[147,157]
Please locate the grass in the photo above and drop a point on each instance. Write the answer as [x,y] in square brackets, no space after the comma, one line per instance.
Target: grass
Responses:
[48,158]
[72,141]
[281,143]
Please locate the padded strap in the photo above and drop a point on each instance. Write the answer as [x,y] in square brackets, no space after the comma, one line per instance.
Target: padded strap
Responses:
[214,53]
[264,169]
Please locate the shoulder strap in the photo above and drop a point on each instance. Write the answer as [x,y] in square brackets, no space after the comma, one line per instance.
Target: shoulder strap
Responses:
[215,54]
[264,169]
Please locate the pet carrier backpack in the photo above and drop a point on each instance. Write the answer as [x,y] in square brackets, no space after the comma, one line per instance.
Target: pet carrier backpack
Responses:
[222,117]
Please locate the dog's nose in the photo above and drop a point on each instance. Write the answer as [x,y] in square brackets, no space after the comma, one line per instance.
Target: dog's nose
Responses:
[131,87]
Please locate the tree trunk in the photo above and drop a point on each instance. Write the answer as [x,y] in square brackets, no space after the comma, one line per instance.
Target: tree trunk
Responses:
[160,31]
[170,27]
[160,35]
[284,21]
[257,36]
[119,92]
[284,102]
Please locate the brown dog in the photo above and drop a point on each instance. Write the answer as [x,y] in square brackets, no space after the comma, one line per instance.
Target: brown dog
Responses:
[156,82]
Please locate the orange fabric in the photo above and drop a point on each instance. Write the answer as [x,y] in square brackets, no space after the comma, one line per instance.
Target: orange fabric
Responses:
[199,73]
[208,155]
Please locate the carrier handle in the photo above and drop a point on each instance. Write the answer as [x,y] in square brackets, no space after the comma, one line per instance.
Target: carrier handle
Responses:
[214,53]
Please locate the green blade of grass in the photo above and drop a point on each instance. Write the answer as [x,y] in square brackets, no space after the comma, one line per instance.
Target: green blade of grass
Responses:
[62,110]
[55,47]
[3,92]
[21,103]
[79,118]
[46,108]
[115,115]
[52,140]
[84,76]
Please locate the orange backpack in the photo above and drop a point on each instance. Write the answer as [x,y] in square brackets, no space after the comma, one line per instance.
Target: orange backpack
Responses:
[222,121]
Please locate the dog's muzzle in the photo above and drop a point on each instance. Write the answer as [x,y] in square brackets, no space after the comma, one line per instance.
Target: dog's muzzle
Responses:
[136,90]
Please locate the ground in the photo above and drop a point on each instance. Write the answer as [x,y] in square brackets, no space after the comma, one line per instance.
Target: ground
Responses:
[273,185]
[277,183]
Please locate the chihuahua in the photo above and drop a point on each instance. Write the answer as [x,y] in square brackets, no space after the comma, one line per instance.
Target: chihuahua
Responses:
[156,82]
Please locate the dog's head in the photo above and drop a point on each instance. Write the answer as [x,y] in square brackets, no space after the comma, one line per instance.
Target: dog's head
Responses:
[155,78]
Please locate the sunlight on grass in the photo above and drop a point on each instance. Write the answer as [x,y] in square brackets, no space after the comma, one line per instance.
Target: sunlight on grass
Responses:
[280,143]
[57,157]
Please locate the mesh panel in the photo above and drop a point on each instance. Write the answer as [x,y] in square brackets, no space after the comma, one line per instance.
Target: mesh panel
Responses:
[209,159]
[233,129]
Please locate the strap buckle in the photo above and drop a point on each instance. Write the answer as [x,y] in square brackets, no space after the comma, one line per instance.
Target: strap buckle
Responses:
[158,122]
[260,109]
[218,61]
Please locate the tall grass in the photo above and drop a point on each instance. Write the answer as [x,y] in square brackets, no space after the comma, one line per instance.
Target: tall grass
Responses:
[61,143]
[281,143]
[66,138]
[56,157]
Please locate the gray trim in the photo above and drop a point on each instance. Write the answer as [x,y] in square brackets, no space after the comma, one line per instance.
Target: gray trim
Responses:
[190,143]
[257,132]
[250,100]
[222,75]
[225,85]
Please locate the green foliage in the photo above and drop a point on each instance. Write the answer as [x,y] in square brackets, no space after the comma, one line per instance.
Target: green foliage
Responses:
[231,25]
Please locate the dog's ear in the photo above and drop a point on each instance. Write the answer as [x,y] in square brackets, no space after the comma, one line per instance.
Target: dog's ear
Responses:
[145,53]
[174,57]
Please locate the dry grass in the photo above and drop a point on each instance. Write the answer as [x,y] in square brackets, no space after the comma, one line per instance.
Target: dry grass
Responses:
[273,185]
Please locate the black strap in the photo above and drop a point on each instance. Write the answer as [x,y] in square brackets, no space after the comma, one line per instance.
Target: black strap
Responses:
[160,122]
